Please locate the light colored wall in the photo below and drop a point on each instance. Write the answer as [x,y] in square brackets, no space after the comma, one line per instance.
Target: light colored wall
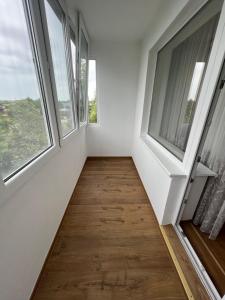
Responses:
[117,76]
[30,218]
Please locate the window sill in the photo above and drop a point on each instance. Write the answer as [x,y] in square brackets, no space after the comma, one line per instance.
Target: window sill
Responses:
[69,137]
[83,124]
[94,124]
[171,165]
[9,187]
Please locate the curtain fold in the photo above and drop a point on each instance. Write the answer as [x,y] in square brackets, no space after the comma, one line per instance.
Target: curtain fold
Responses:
[210,213]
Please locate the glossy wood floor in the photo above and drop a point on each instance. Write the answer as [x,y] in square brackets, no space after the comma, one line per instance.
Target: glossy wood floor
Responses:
[109,246]
[210,252]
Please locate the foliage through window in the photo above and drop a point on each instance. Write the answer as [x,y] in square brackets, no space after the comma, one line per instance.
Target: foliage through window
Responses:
[92,105]
[180,68]
[24,133]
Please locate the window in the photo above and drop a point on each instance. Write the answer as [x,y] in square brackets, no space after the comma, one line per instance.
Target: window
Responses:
[180,69]
[24,129]
[83,73]
[56,29]
[92,106]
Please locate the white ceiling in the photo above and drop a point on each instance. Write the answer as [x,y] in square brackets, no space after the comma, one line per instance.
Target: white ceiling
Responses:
[118,20]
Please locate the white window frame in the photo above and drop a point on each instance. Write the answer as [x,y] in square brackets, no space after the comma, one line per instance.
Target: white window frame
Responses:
[74,85]
[81,29]
[7,188]
[191,8]
[60,5]
[37,26]
[183,34]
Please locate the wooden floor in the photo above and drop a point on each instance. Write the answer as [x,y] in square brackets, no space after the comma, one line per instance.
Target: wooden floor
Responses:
[210,252]
[194,287]
[109,246]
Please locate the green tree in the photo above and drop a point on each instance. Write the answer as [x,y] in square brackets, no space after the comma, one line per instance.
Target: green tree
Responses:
[22,133]
[92,110]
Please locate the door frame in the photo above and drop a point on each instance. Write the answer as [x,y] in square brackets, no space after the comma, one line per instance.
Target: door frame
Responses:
[199,267]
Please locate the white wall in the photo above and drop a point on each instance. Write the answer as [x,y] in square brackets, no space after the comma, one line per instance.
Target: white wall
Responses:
[30,218]
[117,76]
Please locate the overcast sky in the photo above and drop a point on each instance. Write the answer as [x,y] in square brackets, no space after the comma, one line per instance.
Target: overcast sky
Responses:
[17,76]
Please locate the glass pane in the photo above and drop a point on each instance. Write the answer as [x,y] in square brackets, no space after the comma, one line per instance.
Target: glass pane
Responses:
[57,43]
[180,69]
[73,53]
[92,105]
[23,130]
[83,78]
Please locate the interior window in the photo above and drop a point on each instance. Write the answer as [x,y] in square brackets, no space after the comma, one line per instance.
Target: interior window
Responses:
[92,105]
[55,23]
[180,69]
[24,130]
[83,78]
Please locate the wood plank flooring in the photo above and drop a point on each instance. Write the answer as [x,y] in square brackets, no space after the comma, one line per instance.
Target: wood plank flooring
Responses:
[210,252]
[109,246]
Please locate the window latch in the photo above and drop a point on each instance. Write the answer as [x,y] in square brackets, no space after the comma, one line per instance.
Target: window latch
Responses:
[222,84]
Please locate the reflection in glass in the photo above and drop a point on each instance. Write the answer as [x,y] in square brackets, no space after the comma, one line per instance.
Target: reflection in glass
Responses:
[57,43]
[181,64]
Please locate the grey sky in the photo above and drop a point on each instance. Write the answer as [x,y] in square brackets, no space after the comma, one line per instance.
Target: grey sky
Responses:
[17,73]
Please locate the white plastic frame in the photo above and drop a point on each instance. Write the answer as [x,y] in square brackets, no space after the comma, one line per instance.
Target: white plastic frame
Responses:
[82,29]
[60,5]
[8,187]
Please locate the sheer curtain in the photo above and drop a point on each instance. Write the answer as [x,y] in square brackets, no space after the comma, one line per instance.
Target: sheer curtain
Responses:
[179,108]
[210,213]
